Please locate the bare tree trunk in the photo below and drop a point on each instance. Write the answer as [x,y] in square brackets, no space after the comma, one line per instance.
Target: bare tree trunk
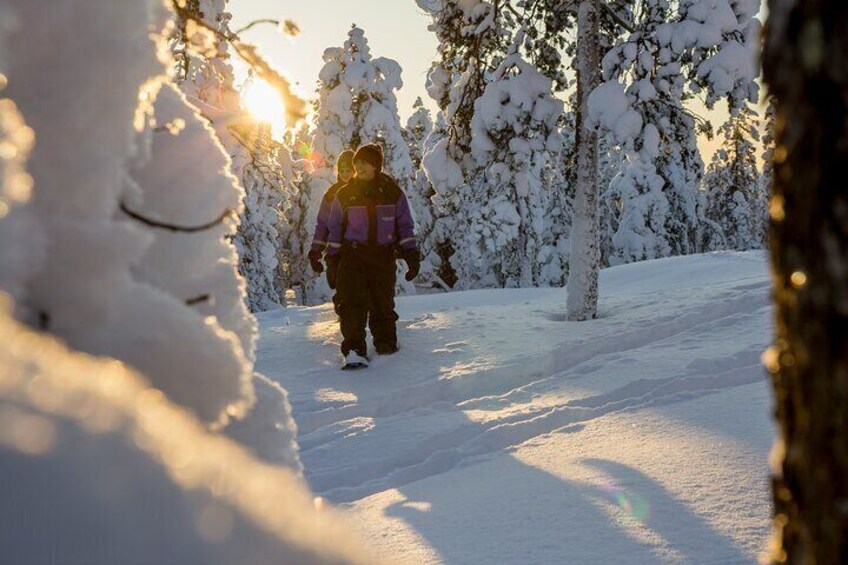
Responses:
[584,262]
[806,67]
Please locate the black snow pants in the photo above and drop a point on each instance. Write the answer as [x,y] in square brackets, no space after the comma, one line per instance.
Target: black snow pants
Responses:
[365,295]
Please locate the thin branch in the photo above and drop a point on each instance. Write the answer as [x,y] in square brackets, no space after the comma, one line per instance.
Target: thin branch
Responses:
[616,18]
[257,22]
[295,105]
[174,228]
[198,299]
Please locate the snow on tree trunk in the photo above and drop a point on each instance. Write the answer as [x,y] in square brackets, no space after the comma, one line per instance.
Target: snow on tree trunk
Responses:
[805,67]
[582,300]
[87,292]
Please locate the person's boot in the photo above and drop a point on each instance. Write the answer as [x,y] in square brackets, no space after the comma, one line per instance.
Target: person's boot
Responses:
[355,360]
[385,348]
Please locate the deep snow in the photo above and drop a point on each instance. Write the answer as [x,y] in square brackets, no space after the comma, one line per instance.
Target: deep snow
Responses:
[501,433]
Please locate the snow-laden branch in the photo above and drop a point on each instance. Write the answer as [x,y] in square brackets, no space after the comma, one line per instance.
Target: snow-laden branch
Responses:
[173,227]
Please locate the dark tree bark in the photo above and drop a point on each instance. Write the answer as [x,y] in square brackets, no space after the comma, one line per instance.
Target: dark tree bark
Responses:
[806,68]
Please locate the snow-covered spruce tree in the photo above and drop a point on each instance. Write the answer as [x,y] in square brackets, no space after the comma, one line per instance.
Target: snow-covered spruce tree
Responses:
[356,105]
[256,162]
[670,54]
[436,247]
[558,183]
[731,185]
[86,292]
[610,157]
[418,129]
[514,131]
[470,36]
[638,187]
[301,214]
[769,134]
[267,182]
[190,256]
[204,73]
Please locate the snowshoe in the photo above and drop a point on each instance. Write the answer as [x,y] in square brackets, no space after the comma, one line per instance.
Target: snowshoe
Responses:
[354,360]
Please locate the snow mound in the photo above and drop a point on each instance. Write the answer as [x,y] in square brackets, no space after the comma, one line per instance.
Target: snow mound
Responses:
[100,468]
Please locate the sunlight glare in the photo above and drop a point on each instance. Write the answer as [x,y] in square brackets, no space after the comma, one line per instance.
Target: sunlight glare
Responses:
[266,105]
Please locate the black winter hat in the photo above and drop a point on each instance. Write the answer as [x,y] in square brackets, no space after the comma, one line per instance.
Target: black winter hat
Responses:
[372,154]
[345,157]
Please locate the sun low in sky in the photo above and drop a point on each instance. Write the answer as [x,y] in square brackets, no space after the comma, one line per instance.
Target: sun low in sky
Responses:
[266,105]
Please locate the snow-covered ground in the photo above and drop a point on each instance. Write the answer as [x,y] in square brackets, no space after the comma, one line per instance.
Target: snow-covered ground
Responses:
[502,433]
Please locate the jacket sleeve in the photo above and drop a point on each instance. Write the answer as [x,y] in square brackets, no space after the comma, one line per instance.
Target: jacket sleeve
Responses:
[334,227]
[405,224]
[322,231]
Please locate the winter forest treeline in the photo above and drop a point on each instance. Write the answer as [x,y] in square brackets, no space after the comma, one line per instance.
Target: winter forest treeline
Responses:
[493,176]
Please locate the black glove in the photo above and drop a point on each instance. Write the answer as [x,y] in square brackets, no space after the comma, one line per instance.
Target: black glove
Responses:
[413,263]
[332,271]
[315,261]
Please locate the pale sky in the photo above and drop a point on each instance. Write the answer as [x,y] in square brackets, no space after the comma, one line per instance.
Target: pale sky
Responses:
[395,29]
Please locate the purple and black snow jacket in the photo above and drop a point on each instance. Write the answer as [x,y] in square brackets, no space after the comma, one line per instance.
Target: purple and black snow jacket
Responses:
[371,213]
[322,231]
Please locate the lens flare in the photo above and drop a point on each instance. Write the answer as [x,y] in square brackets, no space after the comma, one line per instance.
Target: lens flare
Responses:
[631,503]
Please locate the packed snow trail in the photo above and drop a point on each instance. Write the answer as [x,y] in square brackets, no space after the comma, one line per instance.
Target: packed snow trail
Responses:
[502,433]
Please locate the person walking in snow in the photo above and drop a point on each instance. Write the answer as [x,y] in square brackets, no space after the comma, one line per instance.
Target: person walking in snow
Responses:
[369,224]
[344,172]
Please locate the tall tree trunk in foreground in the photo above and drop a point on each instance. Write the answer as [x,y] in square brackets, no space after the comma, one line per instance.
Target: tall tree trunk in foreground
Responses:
[806,68]
[582,302]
